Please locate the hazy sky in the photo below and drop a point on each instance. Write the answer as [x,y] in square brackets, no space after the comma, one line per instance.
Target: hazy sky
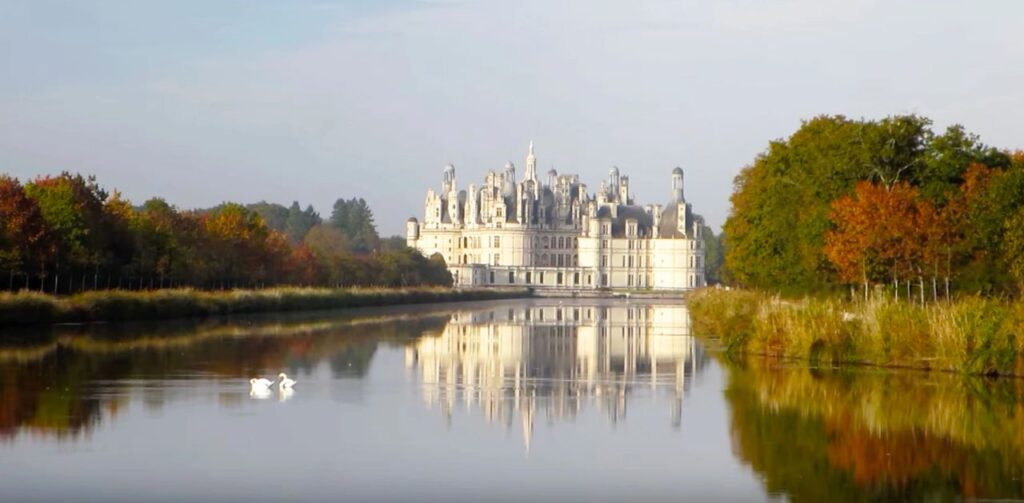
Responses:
[203,101]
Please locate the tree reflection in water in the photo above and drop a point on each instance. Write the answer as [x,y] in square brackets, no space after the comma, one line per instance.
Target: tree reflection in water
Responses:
[68,379]
[864,434]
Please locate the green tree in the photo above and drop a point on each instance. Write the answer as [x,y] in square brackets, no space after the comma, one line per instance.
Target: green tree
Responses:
[355,220]
[714,255]
[781,202]
[299,222]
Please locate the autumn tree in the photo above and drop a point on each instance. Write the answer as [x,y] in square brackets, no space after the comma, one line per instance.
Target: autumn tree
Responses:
[25,240]
[884,233]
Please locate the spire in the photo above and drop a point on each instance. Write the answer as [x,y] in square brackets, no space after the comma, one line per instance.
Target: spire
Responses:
[531,165]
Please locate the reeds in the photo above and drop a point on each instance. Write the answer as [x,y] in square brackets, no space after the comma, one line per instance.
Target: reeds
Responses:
[25,308]
[972,335]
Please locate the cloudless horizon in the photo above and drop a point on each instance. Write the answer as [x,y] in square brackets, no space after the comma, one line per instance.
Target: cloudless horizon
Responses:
[203,102]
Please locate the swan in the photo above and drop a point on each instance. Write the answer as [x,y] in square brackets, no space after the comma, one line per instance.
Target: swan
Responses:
[260,394]
[283,382]
[260,384]
[284,394]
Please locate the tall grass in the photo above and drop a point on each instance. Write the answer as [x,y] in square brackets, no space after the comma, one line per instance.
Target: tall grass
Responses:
[118,305]
[971,335]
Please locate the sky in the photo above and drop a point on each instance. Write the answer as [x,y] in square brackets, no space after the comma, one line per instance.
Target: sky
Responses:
[205,101]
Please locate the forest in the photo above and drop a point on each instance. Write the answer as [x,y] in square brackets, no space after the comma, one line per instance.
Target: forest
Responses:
[66,234]
[890,205]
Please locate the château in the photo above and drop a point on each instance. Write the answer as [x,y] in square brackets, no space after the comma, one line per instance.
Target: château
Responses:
[554,234]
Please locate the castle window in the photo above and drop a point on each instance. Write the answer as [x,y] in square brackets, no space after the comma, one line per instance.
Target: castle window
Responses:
[631,261]
[561,242]
[558,279]
[575,260]
[529,278]
[511,277]
[544,240]
[604,260]
[497,258]
[492,277]
[629,281]
[497,241]
[542,277]
[575,242]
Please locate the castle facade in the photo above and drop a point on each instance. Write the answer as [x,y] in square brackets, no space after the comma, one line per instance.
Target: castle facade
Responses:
[554,234]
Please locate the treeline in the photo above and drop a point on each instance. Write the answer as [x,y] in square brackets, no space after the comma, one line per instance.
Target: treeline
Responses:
[868,203]
[65,234]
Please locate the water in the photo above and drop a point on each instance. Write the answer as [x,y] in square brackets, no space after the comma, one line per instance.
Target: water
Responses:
[507,401]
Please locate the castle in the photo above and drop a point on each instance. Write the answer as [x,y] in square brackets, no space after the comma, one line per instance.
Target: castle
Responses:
[556,235]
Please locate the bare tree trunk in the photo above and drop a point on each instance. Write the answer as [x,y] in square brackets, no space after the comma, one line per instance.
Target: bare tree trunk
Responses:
[935,289]
[896,288]
[920,284]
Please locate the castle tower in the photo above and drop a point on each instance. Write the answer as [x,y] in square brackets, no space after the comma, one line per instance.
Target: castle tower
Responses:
[531,166]
[412,232]
[677,185]
[613,181]
[447,180]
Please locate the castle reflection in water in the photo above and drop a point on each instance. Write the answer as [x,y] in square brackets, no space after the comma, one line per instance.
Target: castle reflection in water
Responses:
[553,360]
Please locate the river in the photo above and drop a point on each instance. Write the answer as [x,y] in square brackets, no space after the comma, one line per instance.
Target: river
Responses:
[525,400]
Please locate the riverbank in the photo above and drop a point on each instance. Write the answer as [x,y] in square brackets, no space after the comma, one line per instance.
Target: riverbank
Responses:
[25,308]
[971,335]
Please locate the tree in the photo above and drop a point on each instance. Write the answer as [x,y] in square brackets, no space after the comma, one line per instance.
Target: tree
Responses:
[355,220]
[299,222]
[392,243]
[25,240]
[884,232]
[73,208]
[714,255]
[781,203]
[1013,247]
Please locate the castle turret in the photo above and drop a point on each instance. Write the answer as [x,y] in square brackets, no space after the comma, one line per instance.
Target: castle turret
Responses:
[412,232]
[677,185]
[531,167]
[447,180]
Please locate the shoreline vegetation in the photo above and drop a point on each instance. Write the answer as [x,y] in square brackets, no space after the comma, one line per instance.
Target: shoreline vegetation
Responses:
[968,335]
[30,308]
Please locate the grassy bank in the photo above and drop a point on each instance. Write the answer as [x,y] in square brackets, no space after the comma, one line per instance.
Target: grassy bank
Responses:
[23,309]
[970,335]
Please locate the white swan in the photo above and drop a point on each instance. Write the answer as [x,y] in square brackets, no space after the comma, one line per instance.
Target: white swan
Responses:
[260,384]
[283,382]
[284,394]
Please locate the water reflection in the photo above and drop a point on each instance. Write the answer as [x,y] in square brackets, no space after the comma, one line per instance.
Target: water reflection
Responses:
[374,383]
[64,381]
[553,360]
[865,434]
